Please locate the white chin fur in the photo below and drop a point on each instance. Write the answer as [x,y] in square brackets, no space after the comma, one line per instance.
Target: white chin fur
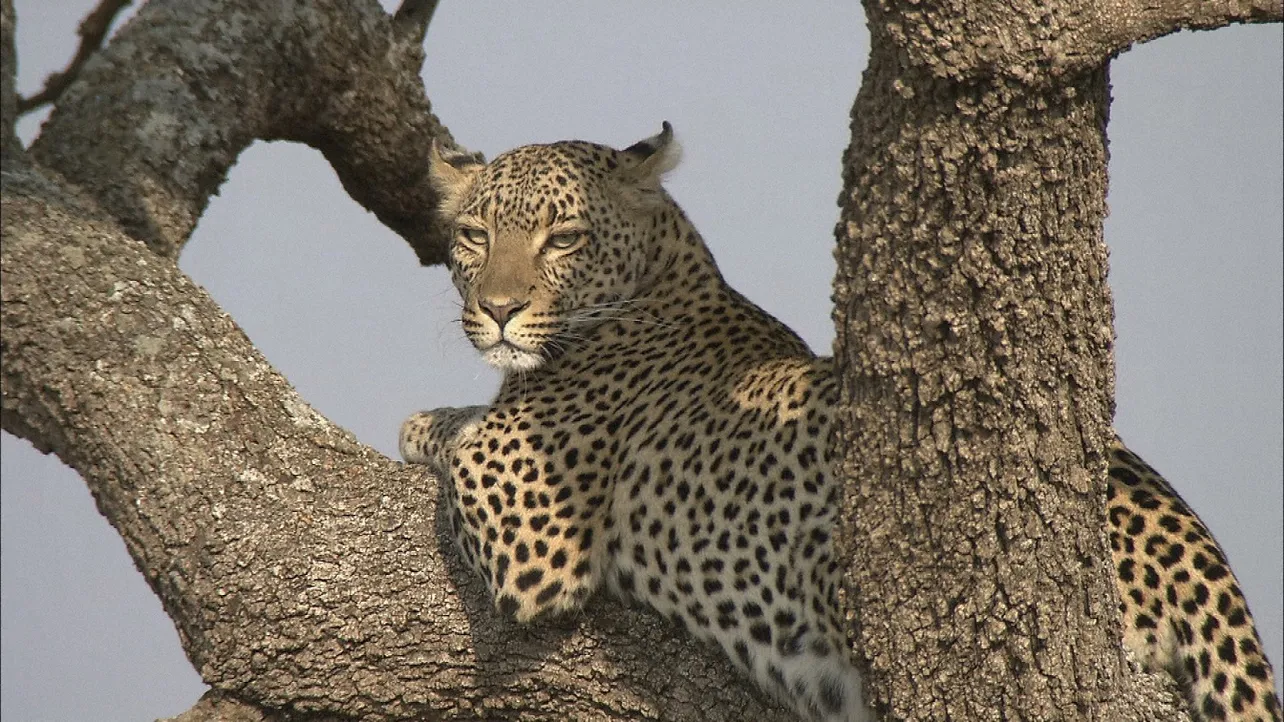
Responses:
[507,358]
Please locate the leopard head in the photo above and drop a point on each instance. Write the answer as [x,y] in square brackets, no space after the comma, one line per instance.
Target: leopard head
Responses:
[548,239]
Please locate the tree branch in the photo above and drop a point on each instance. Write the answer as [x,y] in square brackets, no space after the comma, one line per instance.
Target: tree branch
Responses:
[92,31]
[974,40]
[9,145]
[414,16]
[151,127]
[301,568]
[1118,26]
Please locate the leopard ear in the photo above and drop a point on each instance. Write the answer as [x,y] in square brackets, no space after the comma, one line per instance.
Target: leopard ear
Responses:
[646,161]
[451,175]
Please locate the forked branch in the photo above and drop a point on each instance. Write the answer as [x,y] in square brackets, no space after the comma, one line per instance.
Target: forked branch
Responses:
[1118,26]
[990,39]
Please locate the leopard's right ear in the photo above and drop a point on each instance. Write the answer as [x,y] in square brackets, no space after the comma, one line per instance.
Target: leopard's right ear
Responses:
[652,157]
[451,175]
[644,164]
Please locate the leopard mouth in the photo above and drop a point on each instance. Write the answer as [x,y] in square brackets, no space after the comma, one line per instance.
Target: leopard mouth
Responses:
[508,356]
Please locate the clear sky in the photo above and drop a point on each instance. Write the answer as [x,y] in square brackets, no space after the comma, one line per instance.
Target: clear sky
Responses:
[759,94]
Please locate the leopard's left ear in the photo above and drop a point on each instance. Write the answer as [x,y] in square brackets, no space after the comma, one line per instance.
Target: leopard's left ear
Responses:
[451,175]
[652,158]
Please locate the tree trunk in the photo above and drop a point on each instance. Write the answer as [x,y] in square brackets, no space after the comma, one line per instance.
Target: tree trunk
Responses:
[975,336]
[304,571]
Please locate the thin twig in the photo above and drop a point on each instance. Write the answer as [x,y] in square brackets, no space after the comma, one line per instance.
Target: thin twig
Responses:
[93,29]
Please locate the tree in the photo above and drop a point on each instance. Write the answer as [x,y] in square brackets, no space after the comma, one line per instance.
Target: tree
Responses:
[974,340]
[184,472]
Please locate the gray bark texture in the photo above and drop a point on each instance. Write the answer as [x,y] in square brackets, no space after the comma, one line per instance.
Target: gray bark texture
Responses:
[304,571]
[975,333]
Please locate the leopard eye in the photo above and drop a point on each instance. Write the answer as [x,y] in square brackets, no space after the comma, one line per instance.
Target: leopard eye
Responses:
[565,240]
[473,239]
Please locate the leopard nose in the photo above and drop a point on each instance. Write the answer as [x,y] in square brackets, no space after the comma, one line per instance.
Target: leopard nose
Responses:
[501,309]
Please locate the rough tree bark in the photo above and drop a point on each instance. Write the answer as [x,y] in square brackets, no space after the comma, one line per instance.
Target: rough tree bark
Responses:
[302,569]
[975,337]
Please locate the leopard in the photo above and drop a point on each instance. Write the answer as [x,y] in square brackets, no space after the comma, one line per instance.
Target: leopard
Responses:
[1182,607]
[658,435]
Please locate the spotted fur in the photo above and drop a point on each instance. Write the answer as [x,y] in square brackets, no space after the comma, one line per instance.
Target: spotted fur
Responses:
[1182,608]
[659,434]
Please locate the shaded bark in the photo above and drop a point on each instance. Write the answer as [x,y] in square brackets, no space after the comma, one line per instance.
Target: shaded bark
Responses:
[9,145]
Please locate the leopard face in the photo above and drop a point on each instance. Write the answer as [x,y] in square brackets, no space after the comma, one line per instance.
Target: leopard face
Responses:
[549,240]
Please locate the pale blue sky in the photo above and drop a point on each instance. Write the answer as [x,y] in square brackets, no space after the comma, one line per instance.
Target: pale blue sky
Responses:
[759,94]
